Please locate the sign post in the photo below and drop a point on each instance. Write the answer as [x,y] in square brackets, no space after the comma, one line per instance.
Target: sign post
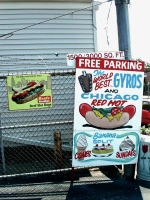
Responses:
[107,114]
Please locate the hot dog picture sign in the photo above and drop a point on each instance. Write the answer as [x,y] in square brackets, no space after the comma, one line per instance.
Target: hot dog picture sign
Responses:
[107,114]
[32,91]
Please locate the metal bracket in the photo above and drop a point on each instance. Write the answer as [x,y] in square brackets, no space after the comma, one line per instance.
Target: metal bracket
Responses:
[122,1]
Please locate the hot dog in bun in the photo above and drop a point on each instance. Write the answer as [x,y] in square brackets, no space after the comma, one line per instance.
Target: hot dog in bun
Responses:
[108,118]
[27,93]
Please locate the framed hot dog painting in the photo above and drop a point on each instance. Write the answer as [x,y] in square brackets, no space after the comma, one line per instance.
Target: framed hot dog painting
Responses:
[107,114]
[32,91]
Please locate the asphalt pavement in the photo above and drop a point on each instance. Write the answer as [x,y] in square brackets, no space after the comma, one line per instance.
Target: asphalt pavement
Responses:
[98,183]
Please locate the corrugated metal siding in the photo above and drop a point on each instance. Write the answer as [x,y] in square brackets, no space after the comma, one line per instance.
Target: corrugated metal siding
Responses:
[77,1]
[66,34]
[20,52]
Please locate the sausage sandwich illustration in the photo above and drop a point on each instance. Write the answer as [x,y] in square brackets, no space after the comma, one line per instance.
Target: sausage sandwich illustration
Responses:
[27,93]
[110,118]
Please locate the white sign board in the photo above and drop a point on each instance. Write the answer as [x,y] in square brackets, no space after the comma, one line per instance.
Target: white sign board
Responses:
[103,54]
[107,114]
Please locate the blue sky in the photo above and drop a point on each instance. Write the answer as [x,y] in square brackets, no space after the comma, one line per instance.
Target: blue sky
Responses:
[139,28]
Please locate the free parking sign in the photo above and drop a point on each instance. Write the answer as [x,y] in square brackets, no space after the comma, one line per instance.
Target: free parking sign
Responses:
[107,115]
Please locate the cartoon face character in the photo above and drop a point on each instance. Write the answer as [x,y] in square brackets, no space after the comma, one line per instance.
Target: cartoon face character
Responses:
[108,118]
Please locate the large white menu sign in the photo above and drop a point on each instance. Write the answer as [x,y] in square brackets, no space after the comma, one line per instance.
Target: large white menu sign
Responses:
[107,114]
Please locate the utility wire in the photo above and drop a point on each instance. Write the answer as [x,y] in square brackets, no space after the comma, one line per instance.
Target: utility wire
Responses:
[71,13]
[109,11]
[22,59]
[107,22]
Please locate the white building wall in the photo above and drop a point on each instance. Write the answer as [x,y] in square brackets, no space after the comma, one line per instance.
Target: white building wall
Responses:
[67,28]
[44,29]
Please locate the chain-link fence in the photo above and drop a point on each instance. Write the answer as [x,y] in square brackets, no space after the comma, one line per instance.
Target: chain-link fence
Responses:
[38,140]
[146,89]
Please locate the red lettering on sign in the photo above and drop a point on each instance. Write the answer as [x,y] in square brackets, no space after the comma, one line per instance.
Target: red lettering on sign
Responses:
[98,102]
[126,154]
[111,64]
[102,80]
[81,155]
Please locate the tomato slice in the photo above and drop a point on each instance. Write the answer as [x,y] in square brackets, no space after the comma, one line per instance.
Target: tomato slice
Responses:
[115,111]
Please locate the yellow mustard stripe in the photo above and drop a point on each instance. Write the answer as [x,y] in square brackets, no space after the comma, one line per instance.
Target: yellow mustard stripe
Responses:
[98,114]
[118,116]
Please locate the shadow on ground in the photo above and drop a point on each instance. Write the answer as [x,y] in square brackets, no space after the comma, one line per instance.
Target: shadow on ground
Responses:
[98,183]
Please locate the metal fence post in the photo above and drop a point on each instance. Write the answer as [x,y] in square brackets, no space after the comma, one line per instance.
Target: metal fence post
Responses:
[2,149]
[124,45]
[58,150]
